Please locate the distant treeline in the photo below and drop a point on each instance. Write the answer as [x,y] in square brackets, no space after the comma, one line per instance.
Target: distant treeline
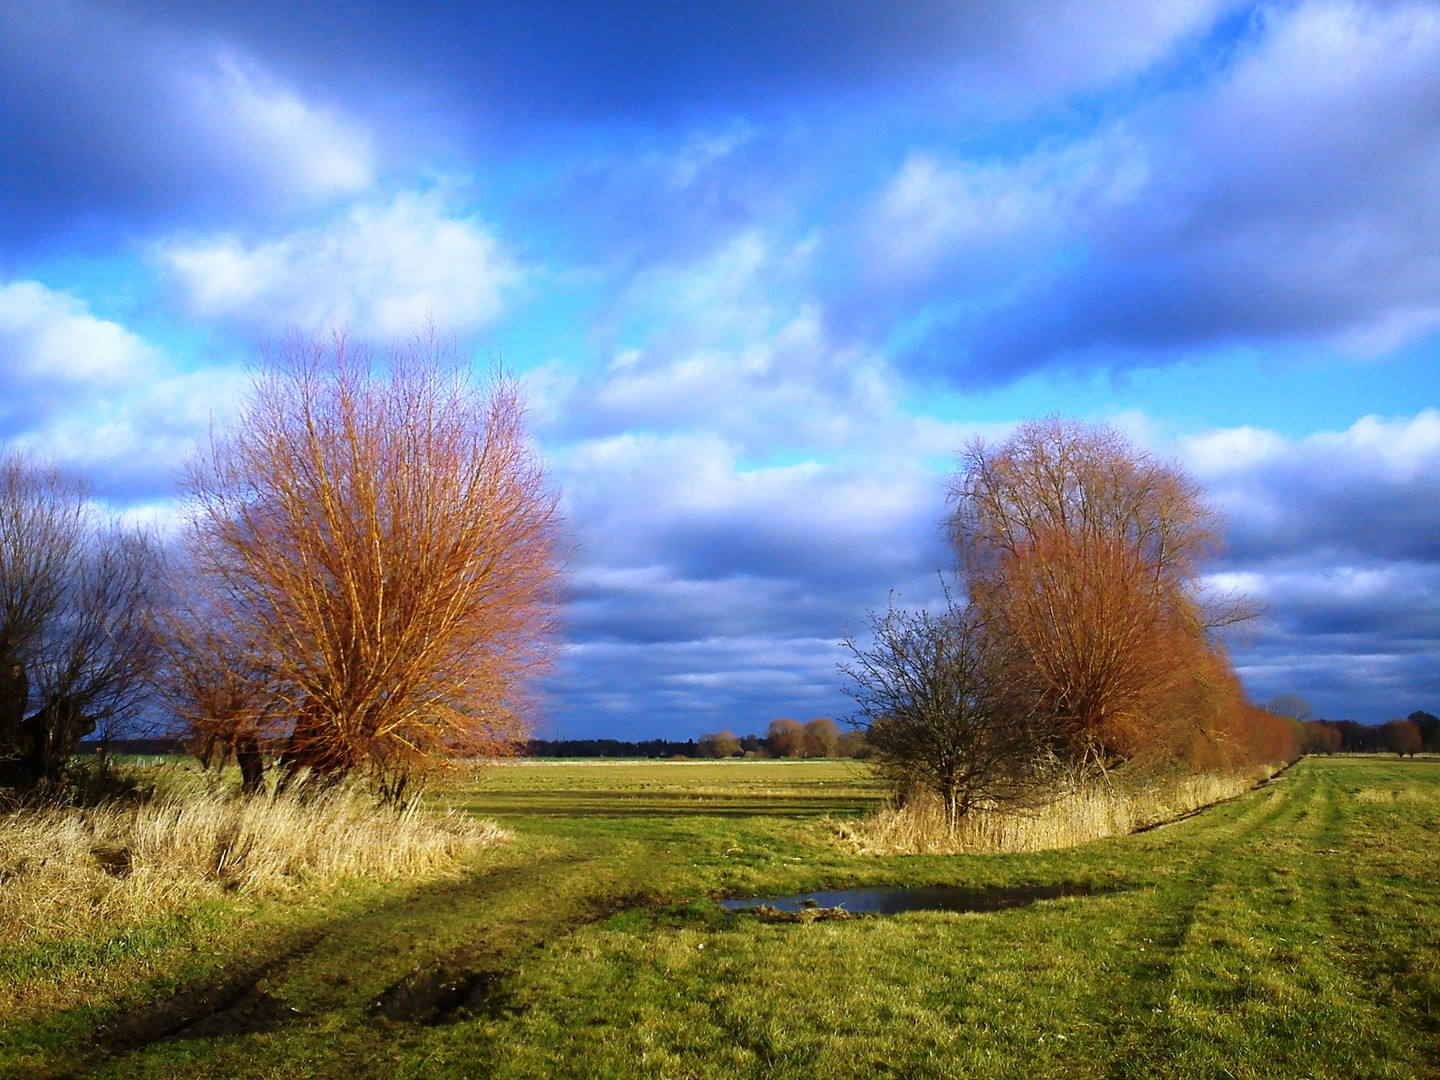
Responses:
[820,738]
[171,744]
[612,748]
[1418,732]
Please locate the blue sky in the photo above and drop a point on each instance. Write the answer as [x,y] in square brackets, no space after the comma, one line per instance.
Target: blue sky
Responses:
[765,269]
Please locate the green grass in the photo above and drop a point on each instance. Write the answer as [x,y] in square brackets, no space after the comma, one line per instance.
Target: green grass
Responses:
[1292,933]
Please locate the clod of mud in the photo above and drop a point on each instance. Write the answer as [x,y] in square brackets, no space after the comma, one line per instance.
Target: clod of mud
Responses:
[445,996]
[115,861]
[766,913]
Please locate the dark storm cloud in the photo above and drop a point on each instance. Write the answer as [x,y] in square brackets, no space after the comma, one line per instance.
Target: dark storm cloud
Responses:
[104,117]
[705,597]
[187,112]
[1296,198]
[685,689]
[1339,536]
[512,63]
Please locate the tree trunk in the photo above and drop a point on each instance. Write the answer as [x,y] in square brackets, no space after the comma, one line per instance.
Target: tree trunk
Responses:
[251,761]
[312,745]
[14,741]
[54,735]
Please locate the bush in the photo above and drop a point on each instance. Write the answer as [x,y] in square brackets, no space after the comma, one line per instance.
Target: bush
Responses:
[821,738]
[721,744]
[1403,737]
[786,739]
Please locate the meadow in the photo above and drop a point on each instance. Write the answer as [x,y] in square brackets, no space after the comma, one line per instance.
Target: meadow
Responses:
[1291,932]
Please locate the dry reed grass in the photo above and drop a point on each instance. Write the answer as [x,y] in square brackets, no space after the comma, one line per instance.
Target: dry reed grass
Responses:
[1078,814]
[70,871]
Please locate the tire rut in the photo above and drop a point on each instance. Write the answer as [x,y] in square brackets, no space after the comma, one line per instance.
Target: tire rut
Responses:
[1136,1044]
[245,1002]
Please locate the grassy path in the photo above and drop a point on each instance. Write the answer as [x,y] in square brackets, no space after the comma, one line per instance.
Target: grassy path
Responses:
[1292,933]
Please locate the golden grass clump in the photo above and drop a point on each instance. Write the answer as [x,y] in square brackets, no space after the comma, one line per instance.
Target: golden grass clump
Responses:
[70,870]
[1077,814]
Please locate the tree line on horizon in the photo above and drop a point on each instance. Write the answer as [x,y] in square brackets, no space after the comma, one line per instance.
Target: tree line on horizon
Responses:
[785,738]
[1414,734]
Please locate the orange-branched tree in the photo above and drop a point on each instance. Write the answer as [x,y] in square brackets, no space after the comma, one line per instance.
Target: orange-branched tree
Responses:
[211,686]
[378,550]
[1084,553]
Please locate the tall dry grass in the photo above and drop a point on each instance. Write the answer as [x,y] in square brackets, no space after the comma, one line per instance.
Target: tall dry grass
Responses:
[1079,813]
[69,871]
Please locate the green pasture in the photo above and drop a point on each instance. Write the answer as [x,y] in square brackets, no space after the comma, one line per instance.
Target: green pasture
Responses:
[1294,932]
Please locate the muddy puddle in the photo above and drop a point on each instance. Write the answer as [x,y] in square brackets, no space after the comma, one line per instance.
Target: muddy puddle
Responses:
[889,900]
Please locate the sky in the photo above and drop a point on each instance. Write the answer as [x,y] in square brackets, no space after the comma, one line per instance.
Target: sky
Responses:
[765,270]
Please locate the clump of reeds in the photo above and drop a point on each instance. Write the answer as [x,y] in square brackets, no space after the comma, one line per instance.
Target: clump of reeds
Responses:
[1074,814]
[66,870]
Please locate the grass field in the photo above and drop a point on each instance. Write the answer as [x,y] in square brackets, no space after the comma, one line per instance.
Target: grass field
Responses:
[1294,932]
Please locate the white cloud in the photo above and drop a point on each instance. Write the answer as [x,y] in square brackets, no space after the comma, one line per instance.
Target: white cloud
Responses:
[1218,452]
[1060,45]
[50,339]
[90,395]
[1402,449]
[934,206]
[380,269]
[306,149]
[732,342]
[135,443]
[1381,450]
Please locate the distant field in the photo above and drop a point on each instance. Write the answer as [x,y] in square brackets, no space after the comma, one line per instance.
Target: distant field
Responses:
[1294,932]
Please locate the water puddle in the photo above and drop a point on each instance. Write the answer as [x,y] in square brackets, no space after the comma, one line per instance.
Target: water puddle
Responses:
[889,900]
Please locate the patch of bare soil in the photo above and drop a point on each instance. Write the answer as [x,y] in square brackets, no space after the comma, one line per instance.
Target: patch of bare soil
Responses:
[237,1005]
[461,988]
[766,913]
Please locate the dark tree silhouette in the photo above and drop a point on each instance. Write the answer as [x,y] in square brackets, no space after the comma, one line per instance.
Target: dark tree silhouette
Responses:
[77,597]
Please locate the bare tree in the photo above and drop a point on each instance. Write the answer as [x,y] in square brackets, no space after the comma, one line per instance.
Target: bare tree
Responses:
[77,593]
[785,738]
[382,545]
[212,686]
[719,744]
[1402,737]
[821,737]
[944,710]
[1083,553]
[1291,705]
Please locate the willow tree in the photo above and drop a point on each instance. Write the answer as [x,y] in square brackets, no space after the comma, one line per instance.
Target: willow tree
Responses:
[1084,554]
[378,547]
